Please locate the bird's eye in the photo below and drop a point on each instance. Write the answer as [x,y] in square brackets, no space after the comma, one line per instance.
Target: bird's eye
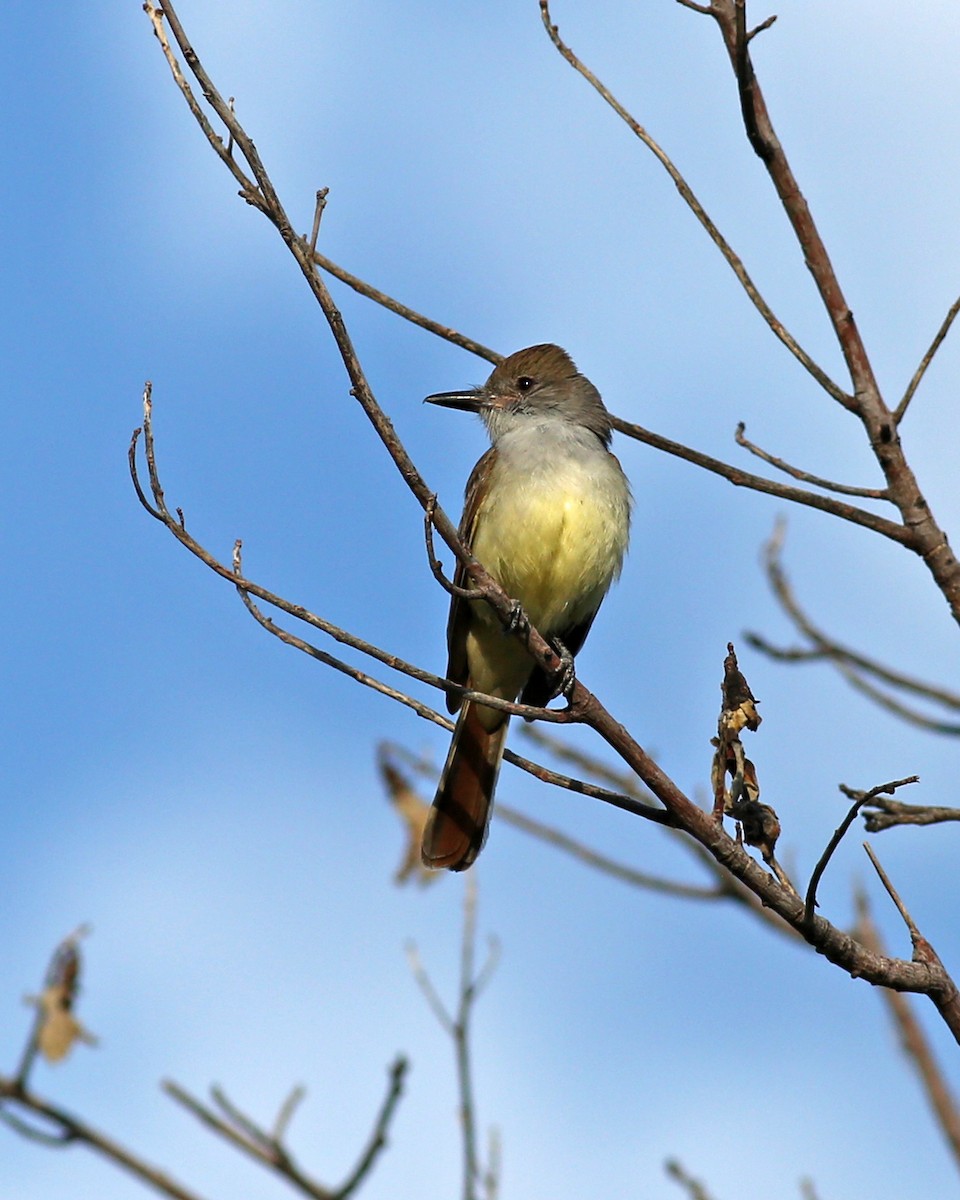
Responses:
[525,383]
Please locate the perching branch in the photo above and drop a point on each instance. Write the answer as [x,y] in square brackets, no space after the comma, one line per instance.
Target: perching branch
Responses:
[918,532]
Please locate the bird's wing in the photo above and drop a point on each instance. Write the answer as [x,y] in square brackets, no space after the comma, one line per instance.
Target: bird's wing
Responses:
[460,613]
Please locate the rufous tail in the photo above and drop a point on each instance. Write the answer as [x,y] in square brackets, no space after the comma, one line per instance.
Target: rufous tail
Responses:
[456,827]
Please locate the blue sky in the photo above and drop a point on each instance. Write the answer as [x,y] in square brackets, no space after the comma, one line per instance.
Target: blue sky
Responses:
[208,799]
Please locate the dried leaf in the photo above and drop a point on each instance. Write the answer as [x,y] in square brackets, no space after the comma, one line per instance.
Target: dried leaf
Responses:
[59,1028]
[412,810]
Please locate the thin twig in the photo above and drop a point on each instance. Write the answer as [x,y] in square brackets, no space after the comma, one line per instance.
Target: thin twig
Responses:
[425,984]
[915,935]
[914,1041]
[447,332]
[436,566]
[757,483]
[269,1148]
[690,199]
[457,1027]
[926,361]
[844,489]
[674,1168]
[317,216]
[906,712]
[469,991]
[378,1137]
[73,1130]
[885,814]
[604,864]
[850,663]
[248,188]
[240,1131]
[859,798]
[920,533]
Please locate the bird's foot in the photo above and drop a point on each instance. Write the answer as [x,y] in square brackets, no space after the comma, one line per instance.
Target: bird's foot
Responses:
[518,621]
[566,674]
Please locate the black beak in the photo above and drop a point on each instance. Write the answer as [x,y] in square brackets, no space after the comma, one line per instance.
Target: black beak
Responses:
[471,401]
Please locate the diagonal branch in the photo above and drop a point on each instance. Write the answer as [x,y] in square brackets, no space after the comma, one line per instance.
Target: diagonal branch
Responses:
[927,975]
[846,512]
[268,1147]
[915,1042]
[853,665]
[690,199]
[843,489]
[926,360]
[925,537]
[70,1129]
[403,310]
[859,798]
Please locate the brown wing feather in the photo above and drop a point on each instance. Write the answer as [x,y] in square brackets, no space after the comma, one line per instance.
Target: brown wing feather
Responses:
[460,616]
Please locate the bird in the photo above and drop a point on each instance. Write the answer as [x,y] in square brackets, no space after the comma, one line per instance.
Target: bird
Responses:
[547,512]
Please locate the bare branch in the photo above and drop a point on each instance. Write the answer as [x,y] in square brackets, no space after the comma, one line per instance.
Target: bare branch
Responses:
[293,1101]
[269,1148]
[436,566]
[914,1040]
[757,483]
[378,1137]
[919,532]
[69,1129]
[425,984]
[915,935]
[850,663]
[926,361]
[842,488]
[604,864]
[686,192]
[317,216]
[674,1168]
[859,799]
[924,535]
[446,332]
[761,27]
[885,814]
[248,188]
[458,1029]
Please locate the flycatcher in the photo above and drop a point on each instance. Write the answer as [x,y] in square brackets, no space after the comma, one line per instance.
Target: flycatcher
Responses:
[547,512]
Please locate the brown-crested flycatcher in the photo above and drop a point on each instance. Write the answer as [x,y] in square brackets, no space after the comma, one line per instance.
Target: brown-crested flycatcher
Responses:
[547,512]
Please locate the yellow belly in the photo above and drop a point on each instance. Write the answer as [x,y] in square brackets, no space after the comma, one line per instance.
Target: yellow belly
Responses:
[554,543]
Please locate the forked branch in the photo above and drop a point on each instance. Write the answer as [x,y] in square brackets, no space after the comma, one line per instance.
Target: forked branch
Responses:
[927,977]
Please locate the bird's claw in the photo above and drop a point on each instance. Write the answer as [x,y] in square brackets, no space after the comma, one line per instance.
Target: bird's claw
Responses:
[566,675]
[518,620]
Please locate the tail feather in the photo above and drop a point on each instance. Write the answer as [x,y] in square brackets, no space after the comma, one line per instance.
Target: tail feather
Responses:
[457,825]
